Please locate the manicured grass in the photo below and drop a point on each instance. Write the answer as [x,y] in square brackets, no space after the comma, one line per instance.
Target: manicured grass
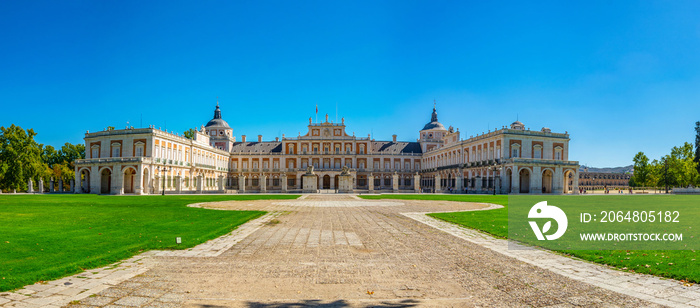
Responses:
[494,222]
[45,237]
[677,264]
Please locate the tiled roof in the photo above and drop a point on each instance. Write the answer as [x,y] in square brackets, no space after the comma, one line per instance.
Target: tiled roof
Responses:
[257,147]
[396,147]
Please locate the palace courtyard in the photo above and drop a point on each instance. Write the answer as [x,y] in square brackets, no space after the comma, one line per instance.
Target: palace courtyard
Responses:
[343,251]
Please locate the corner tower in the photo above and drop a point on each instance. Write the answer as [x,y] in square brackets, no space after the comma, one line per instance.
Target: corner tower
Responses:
[219,132]
[432,133]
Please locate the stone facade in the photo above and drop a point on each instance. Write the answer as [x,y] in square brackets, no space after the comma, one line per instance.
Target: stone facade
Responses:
[150,161]
[600,180]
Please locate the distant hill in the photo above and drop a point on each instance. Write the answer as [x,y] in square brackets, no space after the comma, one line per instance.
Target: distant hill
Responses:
[626,169]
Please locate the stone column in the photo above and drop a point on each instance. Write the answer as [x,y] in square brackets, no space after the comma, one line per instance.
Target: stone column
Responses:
[536,180]
[575,184]
[437,183]
[332,179]
[79,189]
[283,179]
[395,182]
[156,184]
[241,183]
[459,183]
[178,184]
[40,188]
[60,185]
[221,183]
[416,182]
[502,183]
[515,185]
[477,183]
[72,185]
[95,178]
[138,179]
[30,186]
[263,182]
[370,182]
[117,182]
[558,181]
[199,184]
[51,186]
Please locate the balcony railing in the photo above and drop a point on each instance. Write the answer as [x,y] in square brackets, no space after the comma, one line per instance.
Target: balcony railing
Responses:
[113,160]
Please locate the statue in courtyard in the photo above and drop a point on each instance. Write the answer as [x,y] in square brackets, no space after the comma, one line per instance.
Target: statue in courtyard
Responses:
[345,171]
[310,169]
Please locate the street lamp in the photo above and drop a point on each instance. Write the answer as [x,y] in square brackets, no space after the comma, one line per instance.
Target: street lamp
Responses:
[495,168]
[164,169]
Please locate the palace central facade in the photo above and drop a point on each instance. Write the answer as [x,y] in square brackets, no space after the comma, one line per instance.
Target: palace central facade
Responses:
[149,161]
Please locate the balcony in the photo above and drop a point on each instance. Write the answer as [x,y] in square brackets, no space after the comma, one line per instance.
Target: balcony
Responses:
[146,160]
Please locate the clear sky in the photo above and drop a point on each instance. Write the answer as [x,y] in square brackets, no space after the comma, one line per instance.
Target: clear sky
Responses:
[619,76]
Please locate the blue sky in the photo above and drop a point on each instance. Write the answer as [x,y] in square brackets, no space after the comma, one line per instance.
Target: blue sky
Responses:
[620,77]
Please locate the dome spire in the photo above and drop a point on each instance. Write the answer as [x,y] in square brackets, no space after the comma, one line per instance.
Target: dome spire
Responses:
[217,111]
[433,118]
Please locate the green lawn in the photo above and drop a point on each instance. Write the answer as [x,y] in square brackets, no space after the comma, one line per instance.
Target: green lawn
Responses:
[45,237]
[677,264]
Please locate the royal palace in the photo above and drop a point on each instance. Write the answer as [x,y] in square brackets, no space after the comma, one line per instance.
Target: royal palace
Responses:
[151,161]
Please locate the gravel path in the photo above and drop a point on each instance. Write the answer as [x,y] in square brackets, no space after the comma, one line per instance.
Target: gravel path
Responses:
[340,251]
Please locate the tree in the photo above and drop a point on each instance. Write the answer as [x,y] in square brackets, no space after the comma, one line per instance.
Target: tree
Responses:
[189,134]
[697,145]
[682,167]
[21,157]
[71,152]
[641,168]
[61,164]
[655,175]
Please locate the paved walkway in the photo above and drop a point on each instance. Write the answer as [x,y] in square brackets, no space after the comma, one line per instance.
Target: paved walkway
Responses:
[339,251]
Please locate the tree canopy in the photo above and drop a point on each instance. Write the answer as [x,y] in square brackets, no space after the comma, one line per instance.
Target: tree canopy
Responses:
[22,158]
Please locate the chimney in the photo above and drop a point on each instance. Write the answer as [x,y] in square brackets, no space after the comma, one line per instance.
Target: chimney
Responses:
[259,138]
[393,137]
[243,138]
